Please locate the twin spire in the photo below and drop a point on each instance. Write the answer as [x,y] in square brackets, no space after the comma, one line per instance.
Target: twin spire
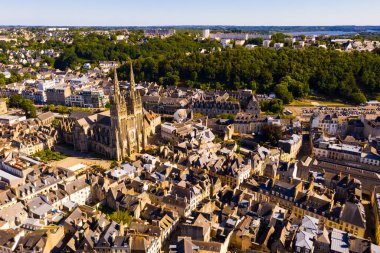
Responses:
[132,78]
[116,87]
[116,80]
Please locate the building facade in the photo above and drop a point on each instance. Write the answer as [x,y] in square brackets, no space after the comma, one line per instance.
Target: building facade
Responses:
[116,134]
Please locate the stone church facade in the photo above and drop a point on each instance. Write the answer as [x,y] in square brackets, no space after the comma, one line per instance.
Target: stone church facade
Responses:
[119,133]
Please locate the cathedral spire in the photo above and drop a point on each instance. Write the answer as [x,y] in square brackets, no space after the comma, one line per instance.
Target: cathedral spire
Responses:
[116,83]
[133,84]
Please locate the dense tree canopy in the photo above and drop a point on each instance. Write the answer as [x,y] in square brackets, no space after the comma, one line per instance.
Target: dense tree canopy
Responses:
[26,105]
[271,134]
[178,60]
[274,106]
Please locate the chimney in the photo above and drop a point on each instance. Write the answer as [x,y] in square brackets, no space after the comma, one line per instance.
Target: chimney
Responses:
[96,238]
[113,236]
[122,232]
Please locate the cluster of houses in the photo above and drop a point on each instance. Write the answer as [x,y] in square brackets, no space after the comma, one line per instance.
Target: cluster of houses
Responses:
[66,88]
[203,180]
[229,40]
[192,195]
[27,136]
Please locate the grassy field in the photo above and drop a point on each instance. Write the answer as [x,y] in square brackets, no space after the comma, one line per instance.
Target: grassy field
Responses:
[316,101]
[300,103]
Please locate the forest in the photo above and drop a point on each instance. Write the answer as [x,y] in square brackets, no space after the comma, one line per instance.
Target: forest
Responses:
[184,60]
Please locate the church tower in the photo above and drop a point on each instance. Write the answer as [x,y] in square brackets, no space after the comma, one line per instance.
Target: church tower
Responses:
[134,98]
[135,126]
[127,120]
[118,115]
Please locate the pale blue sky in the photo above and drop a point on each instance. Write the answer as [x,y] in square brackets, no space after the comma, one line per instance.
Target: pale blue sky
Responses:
[189,12]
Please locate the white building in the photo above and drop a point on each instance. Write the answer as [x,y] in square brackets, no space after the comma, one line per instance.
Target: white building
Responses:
[206,33]
[250,46]
[78,190]
[266,43]
[278,45]
[239,42]
[87,65]
[330,124]
[45,84]
[332,149]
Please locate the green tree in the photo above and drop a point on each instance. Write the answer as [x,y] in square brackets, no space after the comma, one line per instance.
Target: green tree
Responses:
[298,89]
[226,116]
[121,217]
[279,37]
[68,59]
[274,106]
[283,93]
[26,105]
[255,41]
[29,108]
[271,134]
[178,61]
[358,98]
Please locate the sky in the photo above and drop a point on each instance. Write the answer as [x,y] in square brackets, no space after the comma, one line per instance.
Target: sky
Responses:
[189,12]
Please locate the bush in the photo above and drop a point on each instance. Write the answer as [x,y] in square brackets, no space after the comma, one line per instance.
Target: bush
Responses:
[226,116]
[118,216]
[271,134]
[26,105]
[48,155]
[274,106]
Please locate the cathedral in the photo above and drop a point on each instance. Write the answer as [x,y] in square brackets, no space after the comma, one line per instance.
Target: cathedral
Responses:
[119,133]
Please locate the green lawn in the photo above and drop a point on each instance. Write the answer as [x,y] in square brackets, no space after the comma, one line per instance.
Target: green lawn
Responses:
[118,216]
[300,103]
[315,101]
[48,155]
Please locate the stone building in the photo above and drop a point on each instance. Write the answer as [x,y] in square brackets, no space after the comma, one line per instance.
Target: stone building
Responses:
[3,106]
[57,95]
[116,134]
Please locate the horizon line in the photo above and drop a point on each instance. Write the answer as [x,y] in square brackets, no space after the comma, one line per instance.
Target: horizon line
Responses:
[36,25]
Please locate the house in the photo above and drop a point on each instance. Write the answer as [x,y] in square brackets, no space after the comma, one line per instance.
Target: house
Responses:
[9,239]
[266,43]
[198,228]
[304,241]
[187,245]
[78,190]
[246,232]
[278,46]
[44,240]
[46,118]
[339,241]
[290,147]
[13,216]
[145,243]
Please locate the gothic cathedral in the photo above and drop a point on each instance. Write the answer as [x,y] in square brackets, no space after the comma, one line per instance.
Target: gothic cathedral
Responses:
[116,134]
